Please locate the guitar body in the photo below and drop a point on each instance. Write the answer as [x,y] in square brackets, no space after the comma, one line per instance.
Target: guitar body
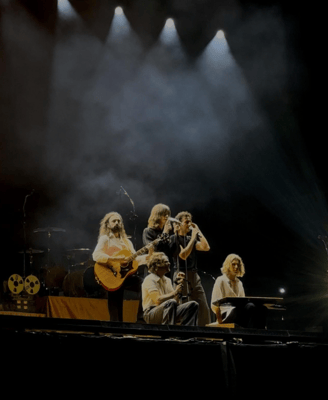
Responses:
[112,276]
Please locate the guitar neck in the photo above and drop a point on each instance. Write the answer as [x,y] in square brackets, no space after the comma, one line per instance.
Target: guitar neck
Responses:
[144,249]
[139,252]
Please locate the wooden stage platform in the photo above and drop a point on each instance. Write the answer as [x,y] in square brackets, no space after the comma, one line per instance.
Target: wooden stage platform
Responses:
[131,357]
[60,313]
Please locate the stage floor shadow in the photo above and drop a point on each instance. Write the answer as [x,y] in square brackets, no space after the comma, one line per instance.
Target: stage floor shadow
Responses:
[134,357]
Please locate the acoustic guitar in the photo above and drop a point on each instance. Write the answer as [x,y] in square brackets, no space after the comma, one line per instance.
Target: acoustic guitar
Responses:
[112,275]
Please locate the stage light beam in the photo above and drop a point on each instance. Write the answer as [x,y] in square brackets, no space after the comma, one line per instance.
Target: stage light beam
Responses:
[65,9]
[217,54]
[120,26]
[169,33]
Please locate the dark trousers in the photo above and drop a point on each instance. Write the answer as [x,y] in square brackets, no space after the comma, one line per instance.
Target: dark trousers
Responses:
[116,297]
[197,293]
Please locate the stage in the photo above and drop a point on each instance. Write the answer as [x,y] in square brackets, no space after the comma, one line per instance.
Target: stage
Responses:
[203,106]
[99,354]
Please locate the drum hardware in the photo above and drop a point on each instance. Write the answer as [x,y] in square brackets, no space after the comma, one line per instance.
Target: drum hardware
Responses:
[77,266]
[24,229]
[72,255]
[31,251]
[82,250]
[49,230]
[31,283]
[82,283]
[53,278]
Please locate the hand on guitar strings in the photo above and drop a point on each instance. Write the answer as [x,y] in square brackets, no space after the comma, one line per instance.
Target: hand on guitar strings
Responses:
[121,259]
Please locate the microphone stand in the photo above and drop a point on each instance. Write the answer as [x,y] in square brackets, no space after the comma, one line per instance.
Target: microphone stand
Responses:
[189,290]
[24,233]
[133,215]
[206,273]
[177,262]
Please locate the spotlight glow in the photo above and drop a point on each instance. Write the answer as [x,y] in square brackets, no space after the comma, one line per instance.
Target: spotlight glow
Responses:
[170,23]
[120,26]
[218,55]
[118,11]
[220,34]
[282,291]
[169,34]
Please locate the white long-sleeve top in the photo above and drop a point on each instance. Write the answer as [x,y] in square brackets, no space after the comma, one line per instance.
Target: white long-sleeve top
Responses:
[107,247]
[224,287]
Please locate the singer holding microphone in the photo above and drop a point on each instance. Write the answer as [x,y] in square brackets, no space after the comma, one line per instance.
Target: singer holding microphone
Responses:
[185,243]
[158,224]
[160,301]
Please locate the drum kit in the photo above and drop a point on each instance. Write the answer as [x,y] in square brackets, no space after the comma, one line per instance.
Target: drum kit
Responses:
[75,278]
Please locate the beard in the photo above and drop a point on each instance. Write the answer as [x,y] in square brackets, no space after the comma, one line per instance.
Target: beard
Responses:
[117,229]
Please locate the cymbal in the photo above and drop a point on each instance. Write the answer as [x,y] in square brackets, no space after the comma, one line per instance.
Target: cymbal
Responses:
[80,264]
[49,229]
[31,251]
[83,250]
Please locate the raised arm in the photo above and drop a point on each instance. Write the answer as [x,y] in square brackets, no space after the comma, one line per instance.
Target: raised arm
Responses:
[197,239]
[202,243]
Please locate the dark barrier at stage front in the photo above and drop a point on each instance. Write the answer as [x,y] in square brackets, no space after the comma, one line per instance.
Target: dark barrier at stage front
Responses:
[128,363]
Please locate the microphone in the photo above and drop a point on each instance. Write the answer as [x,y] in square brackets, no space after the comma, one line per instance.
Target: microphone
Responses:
[174,220]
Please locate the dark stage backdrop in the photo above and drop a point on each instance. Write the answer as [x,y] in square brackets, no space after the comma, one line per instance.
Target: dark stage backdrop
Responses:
[226,127]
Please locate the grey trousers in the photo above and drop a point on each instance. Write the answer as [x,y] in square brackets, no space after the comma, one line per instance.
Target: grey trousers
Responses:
[171,313]
[197,294]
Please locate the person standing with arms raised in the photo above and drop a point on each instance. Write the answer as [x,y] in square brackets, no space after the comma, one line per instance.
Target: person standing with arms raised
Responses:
[185,244]
[158,224]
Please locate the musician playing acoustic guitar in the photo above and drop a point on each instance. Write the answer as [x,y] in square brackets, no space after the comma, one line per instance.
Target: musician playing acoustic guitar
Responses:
[112,238]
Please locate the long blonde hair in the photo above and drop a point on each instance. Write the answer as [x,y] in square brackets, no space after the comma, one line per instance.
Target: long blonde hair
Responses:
[228,261]
[105,229]
[158,211]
